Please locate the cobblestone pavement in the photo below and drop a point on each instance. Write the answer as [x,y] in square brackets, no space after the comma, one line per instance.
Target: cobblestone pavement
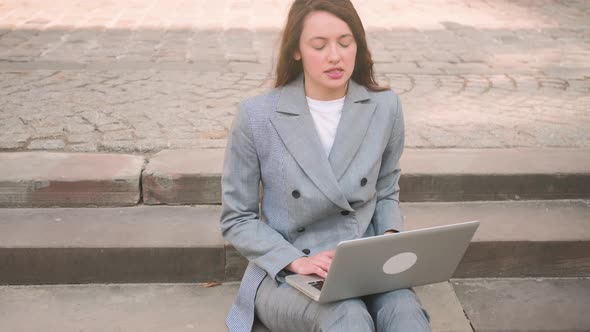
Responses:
[142,76]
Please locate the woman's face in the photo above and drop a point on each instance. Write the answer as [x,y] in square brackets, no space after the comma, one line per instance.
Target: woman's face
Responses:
[327,50]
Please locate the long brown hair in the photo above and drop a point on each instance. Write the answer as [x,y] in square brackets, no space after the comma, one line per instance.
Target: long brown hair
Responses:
[289,69]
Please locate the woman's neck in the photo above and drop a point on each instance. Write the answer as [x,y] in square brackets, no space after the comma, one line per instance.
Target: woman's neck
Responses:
[325,94]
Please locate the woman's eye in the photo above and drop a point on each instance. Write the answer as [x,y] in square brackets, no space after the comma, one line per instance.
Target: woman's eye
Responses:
[318,47]
[346,41]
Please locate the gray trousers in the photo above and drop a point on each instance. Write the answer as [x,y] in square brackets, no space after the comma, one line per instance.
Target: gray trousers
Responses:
[281,307]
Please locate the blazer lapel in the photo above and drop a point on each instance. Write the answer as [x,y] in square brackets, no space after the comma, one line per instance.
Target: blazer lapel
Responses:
[354,123]
[295,126]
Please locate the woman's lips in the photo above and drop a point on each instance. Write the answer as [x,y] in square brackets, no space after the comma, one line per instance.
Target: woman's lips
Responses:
[335,73]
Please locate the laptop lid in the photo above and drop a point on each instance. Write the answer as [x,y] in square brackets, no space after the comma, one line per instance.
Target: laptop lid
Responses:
[402,260]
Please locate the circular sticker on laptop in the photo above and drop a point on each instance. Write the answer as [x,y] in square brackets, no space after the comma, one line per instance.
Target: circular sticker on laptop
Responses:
[400,263]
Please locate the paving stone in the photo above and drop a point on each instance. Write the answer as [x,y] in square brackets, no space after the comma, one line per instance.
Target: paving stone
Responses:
[118,135]
[182,135]
[83,138]
[80,128]
[437,66]
[464,68]
[178,144]
[112,127]
[151,145]
[218,134]
[154,134]
[402,67]
[91,58]
[46,145]
[45,132]
[84,147]
[242,57]
[10,145]
[118,146]
[14,138]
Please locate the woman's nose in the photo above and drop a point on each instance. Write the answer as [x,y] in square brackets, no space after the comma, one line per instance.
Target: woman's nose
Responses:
[333,54]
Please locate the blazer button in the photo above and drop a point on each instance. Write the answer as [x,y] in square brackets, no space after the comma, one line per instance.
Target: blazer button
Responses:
[345,213]
[363,182]
[301,229]
[296,194]
[306,251]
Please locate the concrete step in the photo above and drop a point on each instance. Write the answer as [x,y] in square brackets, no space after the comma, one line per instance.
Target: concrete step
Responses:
[46,179]
[495,305]
[184,244]
[162,307]
[429,175]
[463,305]
[43,179]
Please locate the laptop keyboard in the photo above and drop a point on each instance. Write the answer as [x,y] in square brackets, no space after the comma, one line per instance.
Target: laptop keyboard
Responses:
[317,284]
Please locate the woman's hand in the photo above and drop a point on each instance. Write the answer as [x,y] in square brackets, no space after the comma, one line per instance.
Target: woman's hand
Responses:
[317,264]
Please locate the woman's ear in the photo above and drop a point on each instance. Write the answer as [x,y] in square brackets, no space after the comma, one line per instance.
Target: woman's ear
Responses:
[297,56]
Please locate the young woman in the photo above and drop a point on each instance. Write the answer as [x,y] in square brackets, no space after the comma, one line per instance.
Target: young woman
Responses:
[325,146]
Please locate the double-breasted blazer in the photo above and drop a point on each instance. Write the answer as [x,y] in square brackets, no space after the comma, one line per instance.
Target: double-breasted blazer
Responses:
[310,201]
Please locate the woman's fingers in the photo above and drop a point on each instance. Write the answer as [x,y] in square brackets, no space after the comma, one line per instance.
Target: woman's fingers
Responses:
[329,253]
[321,262]
[321,272]
[325,259]
[318,264]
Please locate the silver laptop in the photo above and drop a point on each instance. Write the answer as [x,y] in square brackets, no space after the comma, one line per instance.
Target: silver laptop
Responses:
[388,262]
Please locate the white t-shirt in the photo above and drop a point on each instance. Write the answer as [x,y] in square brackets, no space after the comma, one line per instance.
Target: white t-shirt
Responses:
[326,116]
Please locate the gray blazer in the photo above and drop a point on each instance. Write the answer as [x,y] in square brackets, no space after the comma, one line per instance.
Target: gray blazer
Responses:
[310,202]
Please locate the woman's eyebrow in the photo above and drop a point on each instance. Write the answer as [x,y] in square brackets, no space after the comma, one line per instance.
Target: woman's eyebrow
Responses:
[326,38]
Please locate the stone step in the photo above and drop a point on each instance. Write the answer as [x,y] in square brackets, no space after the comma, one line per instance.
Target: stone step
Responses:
[162,307]
[183,243]
[428,175]
[193,176]
[461,305]
[44,179]
[47,179]
[527,305]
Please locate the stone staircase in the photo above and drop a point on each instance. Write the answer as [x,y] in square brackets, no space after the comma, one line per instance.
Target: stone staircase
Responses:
[111,242]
